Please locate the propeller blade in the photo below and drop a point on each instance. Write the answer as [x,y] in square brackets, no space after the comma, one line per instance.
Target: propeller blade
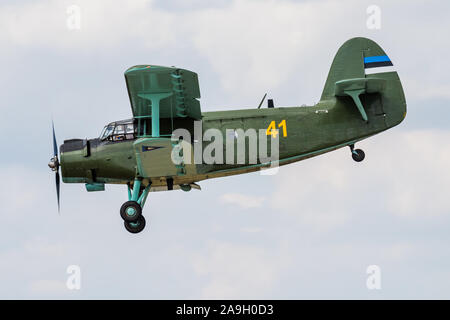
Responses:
[55,145]
[58,182]
[54,165]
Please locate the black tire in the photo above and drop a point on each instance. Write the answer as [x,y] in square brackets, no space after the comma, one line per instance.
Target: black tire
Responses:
[358,155]
[130,211]
[135,227]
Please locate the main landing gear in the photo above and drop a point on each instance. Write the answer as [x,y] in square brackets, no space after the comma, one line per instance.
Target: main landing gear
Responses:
[131,211]
[357,154]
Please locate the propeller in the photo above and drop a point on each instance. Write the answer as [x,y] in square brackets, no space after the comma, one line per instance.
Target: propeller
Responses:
[54,165]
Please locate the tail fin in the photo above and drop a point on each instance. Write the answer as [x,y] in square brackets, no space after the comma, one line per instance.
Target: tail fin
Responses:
[359,68]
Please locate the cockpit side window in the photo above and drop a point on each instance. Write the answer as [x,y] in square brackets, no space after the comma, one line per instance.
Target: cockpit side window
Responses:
[119,133]
[129,131]
[119,129]
[129,128]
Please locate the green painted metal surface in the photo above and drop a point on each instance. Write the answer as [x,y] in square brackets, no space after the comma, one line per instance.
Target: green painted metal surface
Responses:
[353,106]
[179,85]
[92,187]
[136,189]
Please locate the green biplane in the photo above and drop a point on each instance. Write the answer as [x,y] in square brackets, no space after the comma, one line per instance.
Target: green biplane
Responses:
[362,97]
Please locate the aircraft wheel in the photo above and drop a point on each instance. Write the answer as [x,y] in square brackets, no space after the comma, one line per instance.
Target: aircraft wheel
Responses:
[135,227]
[358,155]
[130,211]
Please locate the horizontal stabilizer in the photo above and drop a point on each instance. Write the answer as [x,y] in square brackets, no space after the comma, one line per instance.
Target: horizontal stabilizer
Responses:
[355,87]
[369,85]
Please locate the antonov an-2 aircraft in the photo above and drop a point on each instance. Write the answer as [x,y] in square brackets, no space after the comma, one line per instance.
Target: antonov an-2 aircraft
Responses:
[362,96]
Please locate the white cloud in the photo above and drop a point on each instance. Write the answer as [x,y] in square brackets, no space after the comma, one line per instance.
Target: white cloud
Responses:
[416,89]
[404,173]
[258,46]
[251,46]
[237,271]
[252,229]
[242,200]
[20,192]
[103,24]
[422,184]
[41,288]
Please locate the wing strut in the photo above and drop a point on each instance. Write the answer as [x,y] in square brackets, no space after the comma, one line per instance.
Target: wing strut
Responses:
[155,98]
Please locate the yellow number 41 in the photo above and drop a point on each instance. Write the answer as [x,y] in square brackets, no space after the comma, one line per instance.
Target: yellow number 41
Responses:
[273,131]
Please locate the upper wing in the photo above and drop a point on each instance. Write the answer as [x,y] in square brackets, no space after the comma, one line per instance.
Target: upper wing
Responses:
[176,89]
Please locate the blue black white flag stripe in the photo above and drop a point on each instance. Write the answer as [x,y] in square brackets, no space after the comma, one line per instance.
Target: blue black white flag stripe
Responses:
[377,61]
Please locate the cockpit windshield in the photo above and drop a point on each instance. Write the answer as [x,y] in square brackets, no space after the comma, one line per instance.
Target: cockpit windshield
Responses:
[118,131]
[107,131]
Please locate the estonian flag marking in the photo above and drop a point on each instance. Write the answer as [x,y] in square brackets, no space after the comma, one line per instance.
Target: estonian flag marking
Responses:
[377,61]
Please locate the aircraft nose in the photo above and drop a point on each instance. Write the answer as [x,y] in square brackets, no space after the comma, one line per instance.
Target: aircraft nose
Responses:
[72,159]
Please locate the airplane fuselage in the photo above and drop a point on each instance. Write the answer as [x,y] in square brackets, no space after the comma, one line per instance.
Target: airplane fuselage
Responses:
[309,131]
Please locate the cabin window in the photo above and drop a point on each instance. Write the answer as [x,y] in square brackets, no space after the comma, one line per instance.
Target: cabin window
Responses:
[129,128]
[119,129]
[119,133]
[129,131]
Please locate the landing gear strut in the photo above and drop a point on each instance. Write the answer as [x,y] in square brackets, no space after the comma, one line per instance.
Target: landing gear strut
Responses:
[131,211]
[357,154]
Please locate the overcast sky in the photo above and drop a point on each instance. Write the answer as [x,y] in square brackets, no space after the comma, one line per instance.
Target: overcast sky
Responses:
[308,232]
